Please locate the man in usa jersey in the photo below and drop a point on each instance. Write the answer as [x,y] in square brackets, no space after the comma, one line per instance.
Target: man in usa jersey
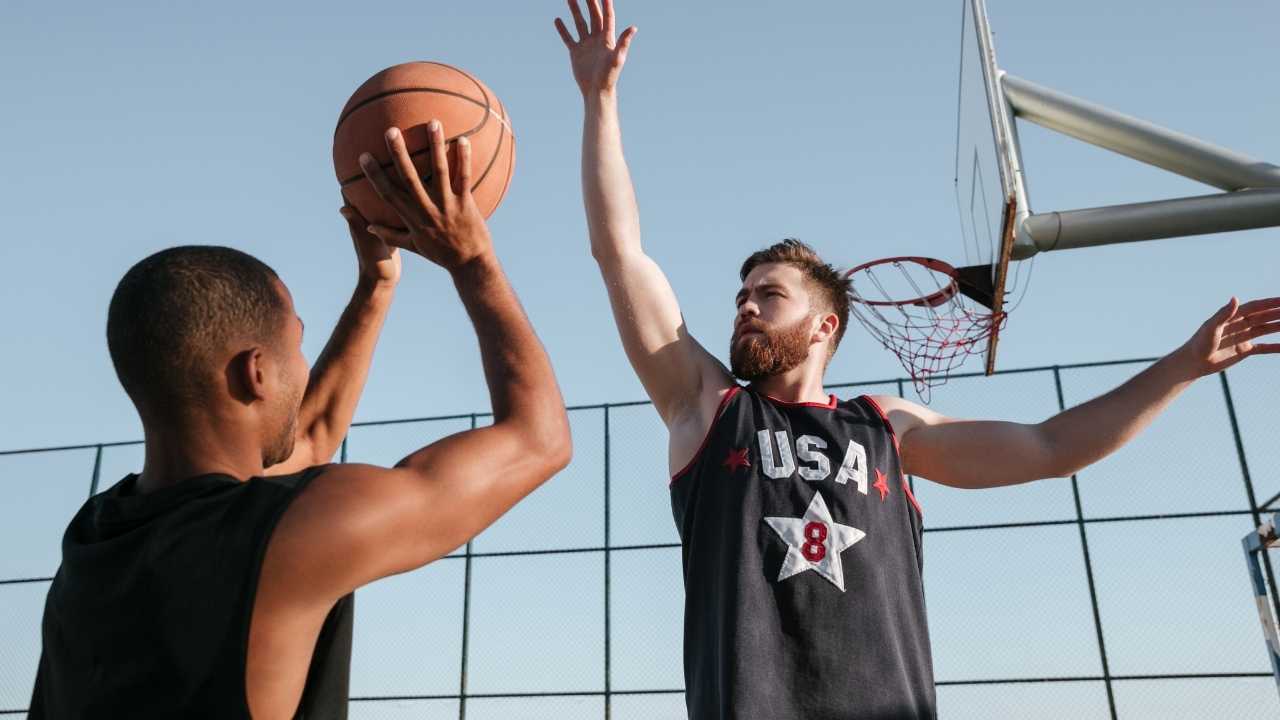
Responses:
[801,540]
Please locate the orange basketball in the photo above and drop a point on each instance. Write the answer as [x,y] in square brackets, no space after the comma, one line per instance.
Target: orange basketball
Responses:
[409,96]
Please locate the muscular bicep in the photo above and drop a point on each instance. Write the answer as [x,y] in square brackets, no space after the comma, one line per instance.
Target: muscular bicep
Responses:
[677,372]
[967,453]
[356,523]
[977,453]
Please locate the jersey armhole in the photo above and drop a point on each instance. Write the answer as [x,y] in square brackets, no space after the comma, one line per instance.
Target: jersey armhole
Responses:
[724,403]
[906,487]
[294,483]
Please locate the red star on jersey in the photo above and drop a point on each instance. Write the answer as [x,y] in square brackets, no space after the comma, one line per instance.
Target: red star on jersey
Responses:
[881,485]
[737,459]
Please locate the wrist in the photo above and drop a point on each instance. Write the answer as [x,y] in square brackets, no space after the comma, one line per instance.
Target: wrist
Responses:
[375,289]
[476,267]
[602,100]
[1180,365]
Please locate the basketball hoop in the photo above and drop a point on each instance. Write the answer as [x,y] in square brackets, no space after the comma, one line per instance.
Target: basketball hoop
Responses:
[928,313]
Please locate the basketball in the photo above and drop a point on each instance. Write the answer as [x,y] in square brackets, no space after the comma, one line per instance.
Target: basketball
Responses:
[409,96]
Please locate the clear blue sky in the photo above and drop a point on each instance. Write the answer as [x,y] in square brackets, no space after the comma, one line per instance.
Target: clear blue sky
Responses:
[130,126]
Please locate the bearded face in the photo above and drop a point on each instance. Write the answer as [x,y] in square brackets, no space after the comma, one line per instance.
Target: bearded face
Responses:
[757,351]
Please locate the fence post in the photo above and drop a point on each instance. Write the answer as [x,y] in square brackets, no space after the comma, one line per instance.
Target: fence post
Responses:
[1088,563]
[466,620]
[97,471]
[608,627]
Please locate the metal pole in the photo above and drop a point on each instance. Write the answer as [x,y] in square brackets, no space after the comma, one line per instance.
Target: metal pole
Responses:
[97,470]
[608,625]
[466,620]
[1088,564]
[1138,139]
[1180,217]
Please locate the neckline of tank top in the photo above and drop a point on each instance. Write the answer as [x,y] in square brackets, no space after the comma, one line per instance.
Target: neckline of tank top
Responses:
[121,503]
[830,404]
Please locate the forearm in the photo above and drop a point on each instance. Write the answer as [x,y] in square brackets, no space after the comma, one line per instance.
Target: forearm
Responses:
[339,375]
[613,219]
[1084,434]
[522,385]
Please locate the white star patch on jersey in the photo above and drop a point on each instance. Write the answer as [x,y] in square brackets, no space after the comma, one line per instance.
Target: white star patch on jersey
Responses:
[814,542]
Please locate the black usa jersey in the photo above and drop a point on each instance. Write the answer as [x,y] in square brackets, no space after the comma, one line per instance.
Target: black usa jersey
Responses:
[803,569]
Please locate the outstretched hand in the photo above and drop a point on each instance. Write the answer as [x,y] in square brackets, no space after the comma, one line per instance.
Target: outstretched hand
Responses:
[442,222]
[1227,338]
[597,57]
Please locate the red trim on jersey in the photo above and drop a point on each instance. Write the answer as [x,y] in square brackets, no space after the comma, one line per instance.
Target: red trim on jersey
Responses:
[906,488]
[724,401]
[830,404]
[897,448]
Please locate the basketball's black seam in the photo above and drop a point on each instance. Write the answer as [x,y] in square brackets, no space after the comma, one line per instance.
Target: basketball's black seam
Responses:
[366,101]
[467,133]
[497,148]
[427,177]
[488,110]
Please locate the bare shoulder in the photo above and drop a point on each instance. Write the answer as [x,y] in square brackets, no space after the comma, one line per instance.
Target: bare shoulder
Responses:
[297,586]
[905,416]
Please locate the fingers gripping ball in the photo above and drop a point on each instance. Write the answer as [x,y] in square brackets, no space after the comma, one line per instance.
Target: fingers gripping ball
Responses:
[409,96]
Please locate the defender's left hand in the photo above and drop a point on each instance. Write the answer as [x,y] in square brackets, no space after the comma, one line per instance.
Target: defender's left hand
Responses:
[1227,338]
[379,263]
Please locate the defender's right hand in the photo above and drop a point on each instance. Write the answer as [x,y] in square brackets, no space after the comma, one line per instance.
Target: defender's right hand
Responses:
[442,221]
[596,57]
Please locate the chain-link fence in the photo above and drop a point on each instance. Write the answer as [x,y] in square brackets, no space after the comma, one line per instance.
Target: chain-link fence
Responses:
[1117,593]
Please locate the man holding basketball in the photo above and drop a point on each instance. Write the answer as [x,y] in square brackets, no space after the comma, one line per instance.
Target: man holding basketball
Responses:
[801,541]
[200,588]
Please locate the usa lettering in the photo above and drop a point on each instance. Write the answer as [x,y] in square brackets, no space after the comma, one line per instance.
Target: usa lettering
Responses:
[777,460]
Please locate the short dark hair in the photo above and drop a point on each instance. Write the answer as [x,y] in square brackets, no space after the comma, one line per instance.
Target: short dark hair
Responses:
[831,285]
[175,309]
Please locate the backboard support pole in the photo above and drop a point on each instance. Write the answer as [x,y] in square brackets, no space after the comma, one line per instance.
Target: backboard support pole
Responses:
[1181,217]
[1252,199]
[1143,141]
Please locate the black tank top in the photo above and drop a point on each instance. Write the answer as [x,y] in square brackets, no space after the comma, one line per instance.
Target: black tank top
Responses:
[802,565]
[148,615]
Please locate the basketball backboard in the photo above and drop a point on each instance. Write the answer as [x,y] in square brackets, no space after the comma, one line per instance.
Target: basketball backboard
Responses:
[990,194]
[933,314]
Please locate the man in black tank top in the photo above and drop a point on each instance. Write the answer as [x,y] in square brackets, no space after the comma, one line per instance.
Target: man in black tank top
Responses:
[801,539]
[217,583]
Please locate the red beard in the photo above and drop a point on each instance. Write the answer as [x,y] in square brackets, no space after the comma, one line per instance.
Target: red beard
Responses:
[770,351]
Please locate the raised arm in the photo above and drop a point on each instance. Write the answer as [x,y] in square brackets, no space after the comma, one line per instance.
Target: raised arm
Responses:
[356,523]
[683,379]
[979,454]
[338,376]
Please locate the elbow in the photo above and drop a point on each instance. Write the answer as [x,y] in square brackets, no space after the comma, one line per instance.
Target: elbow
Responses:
[606,256]
[1055,459]
[611,256]
[560,453]
[554,443]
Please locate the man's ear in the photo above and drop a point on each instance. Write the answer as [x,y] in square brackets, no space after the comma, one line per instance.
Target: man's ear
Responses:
[826,327]
[247,375]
